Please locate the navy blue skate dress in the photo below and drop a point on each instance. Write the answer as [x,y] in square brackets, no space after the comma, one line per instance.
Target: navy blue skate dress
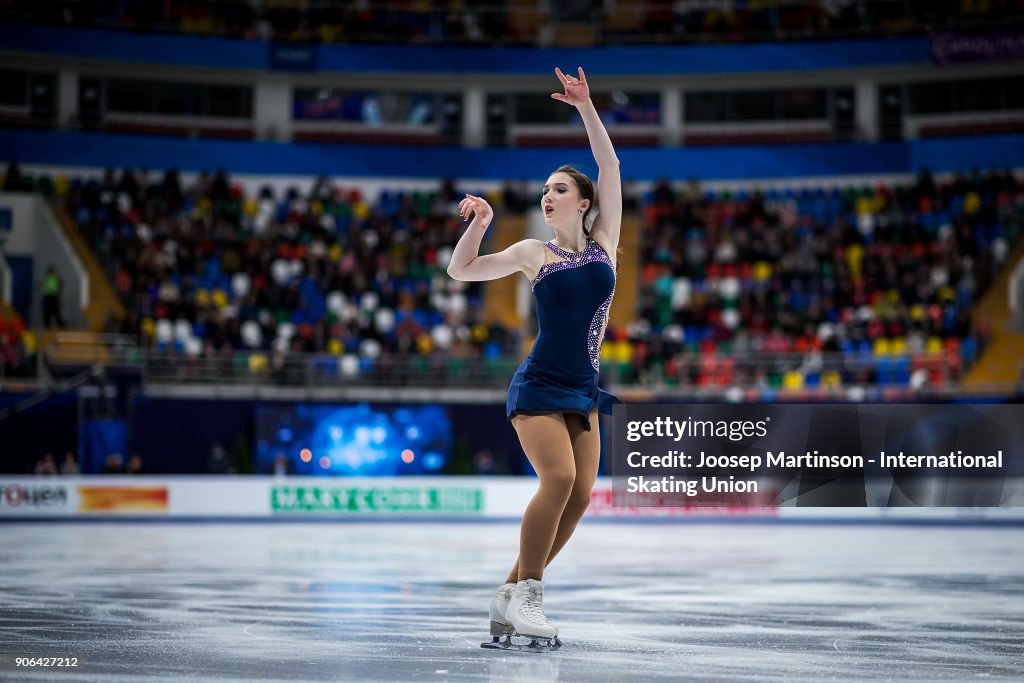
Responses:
[560,373]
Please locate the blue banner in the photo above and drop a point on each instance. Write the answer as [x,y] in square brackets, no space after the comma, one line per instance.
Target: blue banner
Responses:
[186,50]
[96,150]
[293,57]
[101,439]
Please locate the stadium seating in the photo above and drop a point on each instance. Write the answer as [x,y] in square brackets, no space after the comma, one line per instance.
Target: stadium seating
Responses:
[207,270]
[788,289]
[877,281]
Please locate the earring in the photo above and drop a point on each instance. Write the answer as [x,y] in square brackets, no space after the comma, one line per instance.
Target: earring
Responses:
[581,212]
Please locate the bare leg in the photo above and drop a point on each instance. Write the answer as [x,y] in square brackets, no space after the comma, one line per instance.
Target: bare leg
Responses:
[586,448]
[547,444]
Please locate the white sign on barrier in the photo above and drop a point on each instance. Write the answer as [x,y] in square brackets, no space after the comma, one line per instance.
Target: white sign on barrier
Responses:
[198,497]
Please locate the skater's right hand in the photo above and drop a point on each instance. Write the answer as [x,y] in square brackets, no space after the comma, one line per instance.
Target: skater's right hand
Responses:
[476,205]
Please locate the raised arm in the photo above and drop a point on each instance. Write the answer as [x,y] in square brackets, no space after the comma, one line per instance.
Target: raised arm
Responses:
[609,184]
[466,264]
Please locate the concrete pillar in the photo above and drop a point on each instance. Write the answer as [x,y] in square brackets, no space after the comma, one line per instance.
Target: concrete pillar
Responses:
[672,116]
[474,118]
[272,110]
[866,96]
[67,97]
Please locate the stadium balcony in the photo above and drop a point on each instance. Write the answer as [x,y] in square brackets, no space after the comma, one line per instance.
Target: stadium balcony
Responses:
[524,22]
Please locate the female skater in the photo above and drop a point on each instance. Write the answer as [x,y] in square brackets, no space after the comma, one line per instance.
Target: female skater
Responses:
[553,399]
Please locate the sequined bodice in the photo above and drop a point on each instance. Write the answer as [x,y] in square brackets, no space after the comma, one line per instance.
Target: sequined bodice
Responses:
[573,297]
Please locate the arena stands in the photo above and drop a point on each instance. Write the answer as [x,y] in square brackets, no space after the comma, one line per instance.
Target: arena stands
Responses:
[818,287]
[789,289]
[205,271]
[525,22]
[17,347]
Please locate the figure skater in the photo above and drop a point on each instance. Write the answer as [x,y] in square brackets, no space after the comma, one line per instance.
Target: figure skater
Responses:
[554,399]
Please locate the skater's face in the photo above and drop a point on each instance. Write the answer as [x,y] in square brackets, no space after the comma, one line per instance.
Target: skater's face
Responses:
[561,201]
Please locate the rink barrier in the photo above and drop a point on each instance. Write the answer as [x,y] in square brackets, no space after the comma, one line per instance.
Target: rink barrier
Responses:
[462,499]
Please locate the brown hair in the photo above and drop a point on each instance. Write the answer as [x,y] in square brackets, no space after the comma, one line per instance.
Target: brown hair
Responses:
[586,188]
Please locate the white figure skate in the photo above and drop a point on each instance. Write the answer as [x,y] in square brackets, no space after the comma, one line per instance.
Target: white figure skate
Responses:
[524,617]
[499,606]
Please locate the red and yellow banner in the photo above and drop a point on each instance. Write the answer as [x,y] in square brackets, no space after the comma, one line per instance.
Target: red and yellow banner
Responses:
[122,499]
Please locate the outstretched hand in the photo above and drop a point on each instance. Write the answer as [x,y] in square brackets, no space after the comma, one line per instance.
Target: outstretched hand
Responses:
[477,205]
[577,91]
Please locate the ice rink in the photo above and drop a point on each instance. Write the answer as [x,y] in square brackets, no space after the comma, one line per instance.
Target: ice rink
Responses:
[403,602]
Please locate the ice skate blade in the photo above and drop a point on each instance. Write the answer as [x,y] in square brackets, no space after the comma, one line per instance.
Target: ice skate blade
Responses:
[499,643]
[535,644]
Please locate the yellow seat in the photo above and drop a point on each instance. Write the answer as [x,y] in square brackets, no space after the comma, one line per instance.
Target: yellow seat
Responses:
[623,352]
[258,363]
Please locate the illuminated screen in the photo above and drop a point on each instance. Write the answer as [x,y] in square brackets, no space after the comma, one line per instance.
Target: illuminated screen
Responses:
[352,439]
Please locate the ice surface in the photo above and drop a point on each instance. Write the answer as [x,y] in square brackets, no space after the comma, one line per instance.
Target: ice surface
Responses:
[401,602]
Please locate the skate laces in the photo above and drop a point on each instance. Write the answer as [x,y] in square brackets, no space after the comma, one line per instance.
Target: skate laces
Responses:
[533,607]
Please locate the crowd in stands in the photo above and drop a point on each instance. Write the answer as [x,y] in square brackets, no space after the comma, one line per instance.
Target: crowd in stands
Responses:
[205,270]
[47,465]
[17,348]
[506,21]
[770,289]
[69,466]
[783,289]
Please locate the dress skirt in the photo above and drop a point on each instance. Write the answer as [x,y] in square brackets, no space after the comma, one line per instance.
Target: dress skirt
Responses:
[542,388]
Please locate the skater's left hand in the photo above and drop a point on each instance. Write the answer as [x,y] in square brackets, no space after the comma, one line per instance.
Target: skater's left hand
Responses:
[476,205]
[577,92]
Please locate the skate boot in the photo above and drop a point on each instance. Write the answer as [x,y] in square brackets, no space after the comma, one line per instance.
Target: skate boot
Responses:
[499,606]
[526,614]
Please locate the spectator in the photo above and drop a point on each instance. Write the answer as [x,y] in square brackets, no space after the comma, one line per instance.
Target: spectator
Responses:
[218,461]
[52,289]
[281,467]
[134,465]
[112,464]
[46,465]
[69,465]
[484,462]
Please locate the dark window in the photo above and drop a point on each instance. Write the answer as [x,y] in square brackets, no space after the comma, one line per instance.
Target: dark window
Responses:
[135,97]
[13,88]
[533,108]
[707,107]
[755,105]
[931,98]
[804,103]
[979,95]
[228,101]
[1014,92]
[170,98]
[179,99]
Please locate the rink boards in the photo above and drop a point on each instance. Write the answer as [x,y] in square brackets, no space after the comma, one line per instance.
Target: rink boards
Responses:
[420,498]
